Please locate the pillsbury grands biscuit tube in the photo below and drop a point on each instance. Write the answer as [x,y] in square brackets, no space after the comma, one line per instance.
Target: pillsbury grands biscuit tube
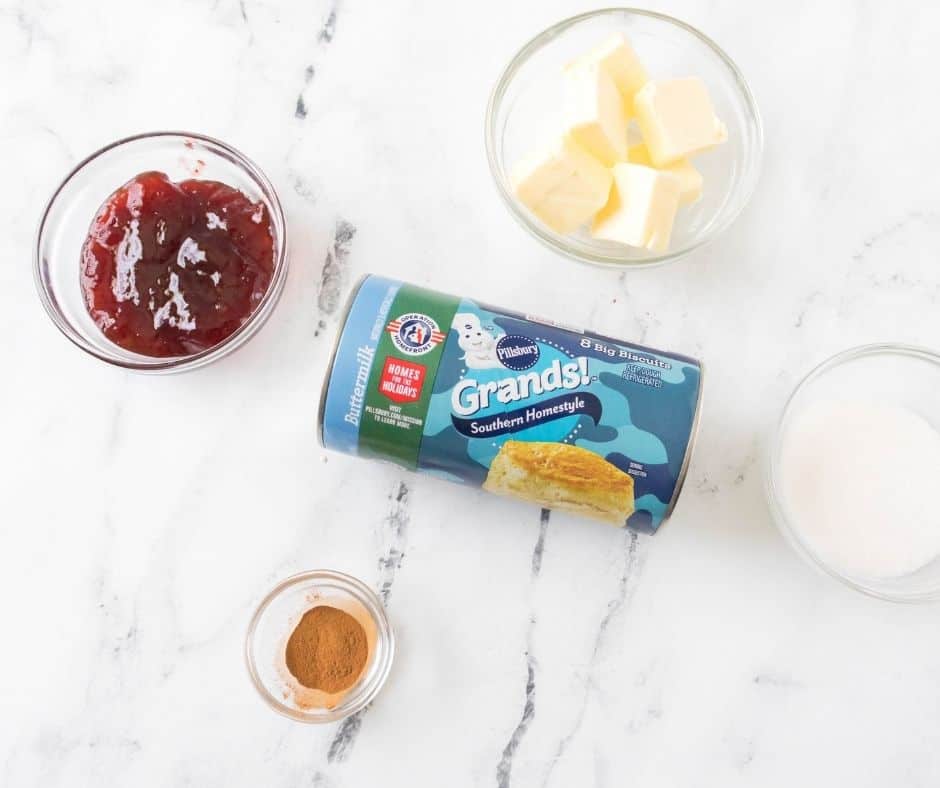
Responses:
[471,393]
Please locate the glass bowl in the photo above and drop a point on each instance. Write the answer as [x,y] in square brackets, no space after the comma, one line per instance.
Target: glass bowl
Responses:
[898,375]
[274,621]
[523,115]
[76,201]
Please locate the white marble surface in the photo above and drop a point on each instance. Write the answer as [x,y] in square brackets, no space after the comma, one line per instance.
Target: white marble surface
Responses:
[143,518]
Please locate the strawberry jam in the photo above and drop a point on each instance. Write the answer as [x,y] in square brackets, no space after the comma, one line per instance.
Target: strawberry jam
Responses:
[170,269]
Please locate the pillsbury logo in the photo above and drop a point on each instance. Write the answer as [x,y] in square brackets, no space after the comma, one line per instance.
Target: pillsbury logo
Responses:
[415,333]
[517,352]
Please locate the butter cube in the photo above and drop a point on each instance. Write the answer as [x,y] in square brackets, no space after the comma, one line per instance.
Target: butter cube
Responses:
[641,209]
[677,119]
[617,58]
[564,186]
[594,113]
[690,179]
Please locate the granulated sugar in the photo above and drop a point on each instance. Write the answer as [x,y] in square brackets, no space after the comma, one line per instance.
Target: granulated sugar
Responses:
[859,484]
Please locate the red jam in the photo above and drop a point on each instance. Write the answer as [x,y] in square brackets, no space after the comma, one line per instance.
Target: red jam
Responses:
[170,269]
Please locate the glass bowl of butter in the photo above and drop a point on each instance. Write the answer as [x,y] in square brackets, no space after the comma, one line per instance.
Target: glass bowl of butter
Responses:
[623,137]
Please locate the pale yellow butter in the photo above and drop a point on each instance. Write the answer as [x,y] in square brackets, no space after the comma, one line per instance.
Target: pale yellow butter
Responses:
[690,179]
[677,119]
[617,58]
[594,113]
[641,209]
[563,186]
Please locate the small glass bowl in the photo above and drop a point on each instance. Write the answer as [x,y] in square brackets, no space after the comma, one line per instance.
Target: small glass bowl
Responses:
[521,118]
[274,621]
[893,374]
[76,201]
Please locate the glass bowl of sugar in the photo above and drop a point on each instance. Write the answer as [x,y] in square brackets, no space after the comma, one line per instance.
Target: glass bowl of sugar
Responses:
[853,467]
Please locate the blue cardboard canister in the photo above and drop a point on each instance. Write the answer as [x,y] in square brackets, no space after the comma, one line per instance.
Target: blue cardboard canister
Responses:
[475,394]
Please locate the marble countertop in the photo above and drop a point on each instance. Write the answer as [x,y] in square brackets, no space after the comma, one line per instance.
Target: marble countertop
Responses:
[145,517]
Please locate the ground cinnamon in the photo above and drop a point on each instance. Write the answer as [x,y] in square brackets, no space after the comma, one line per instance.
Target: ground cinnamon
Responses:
[327,649]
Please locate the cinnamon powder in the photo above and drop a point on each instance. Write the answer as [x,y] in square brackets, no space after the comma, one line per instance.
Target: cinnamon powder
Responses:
[327,649]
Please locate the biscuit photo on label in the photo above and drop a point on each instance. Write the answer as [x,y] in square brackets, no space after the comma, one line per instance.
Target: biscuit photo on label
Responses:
[561,476]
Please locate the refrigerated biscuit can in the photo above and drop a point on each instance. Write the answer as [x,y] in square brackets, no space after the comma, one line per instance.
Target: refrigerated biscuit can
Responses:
[471,393]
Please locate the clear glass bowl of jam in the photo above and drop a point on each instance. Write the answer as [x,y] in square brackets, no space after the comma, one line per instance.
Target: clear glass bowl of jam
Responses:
[162,252]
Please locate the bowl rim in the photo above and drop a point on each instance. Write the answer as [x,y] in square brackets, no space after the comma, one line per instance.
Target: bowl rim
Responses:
[386,635]
[562,244]
[771,470]
[238,337]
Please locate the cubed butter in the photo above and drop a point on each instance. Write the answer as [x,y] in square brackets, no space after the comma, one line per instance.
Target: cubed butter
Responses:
[677,119]
[594,113]
[641,209]
[617,58]
[563,186]
[690,179]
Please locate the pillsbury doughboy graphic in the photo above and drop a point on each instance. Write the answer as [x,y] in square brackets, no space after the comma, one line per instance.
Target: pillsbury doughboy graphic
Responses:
[477,343]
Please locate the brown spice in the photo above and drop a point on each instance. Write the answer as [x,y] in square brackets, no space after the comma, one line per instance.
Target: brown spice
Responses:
[327,649]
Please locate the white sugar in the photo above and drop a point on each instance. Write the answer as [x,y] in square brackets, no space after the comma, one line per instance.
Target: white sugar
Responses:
[859,483]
